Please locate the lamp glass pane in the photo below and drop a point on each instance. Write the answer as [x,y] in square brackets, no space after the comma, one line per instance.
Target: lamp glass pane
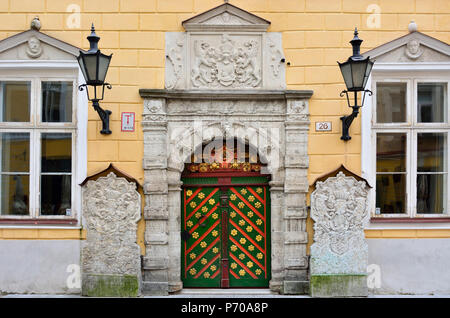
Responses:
[103,65]
[368,70]
[358,73]
[82,66]
[90,62]
[347,74]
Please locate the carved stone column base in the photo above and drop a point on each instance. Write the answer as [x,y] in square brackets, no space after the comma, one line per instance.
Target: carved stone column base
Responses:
[339,285]
[155,288]
[295,287]
[276,286]
[175,286]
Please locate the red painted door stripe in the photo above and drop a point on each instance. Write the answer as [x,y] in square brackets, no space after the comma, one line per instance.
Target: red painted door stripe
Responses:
[202,237]
[202,203]
[206,266]
[248,204]
[256,195]
[234,274]
[192,196]
[243,266]
[203,253]
[247,253]
[247,219]
[247,237]
[204,217]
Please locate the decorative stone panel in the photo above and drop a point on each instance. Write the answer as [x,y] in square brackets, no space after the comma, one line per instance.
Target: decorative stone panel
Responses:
[339,254]
[225,48]
[111,257]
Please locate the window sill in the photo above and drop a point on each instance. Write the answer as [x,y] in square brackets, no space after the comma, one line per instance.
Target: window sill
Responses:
[38,221]
[410,220]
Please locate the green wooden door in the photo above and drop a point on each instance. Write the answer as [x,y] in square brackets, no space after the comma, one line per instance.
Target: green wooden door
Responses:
[225,234]
[201,237]
[249,237]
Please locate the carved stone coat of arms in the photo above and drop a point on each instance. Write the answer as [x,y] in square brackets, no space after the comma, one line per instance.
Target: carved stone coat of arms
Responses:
[339,208]
[228,64]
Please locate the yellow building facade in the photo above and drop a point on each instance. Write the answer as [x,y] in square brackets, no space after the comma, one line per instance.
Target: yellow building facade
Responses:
[314,35]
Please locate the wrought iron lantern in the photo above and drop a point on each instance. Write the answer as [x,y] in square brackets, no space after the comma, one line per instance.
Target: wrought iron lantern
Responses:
[94,66]
[355,71]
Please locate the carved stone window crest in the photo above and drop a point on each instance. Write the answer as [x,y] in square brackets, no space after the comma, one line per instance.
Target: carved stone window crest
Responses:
[34,48]
[413,50]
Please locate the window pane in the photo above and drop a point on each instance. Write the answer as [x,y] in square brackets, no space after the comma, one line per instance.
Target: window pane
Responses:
[15,150]
[55,194]
[56,152]
[57,101]
[391,102]
[15,194]
[391,193]
[15,101]
[391,152]
[431,152]
[431,193]
[432,102]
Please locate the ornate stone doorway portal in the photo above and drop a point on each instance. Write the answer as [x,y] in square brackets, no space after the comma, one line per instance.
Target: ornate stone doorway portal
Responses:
[225,80]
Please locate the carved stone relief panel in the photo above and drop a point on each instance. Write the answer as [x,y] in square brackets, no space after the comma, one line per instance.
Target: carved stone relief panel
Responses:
[225,61]
[339,208]
[111,208]
[175,60]
[111,256]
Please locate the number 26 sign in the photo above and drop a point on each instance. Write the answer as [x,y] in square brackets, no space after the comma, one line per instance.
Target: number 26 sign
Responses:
[323,126]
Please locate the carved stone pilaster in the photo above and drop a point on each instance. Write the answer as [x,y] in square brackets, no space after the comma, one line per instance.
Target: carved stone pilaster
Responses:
[295,189]
[156,211]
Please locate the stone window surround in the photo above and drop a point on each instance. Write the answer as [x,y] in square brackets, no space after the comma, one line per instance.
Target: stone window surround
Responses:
[393,62]
[166,110]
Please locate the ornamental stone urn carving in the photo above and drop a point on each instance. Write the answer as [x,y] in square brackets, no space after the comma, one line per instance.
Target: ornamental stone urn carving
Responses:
[339,254]
[111,264]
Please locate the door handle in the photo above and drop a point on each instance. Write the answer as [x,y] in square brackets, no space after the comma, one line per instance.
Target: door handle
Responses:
[185,235]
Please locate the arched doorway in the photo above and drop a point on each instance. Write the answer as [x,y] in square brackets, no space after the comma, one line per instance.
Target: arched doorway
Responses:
[225,218]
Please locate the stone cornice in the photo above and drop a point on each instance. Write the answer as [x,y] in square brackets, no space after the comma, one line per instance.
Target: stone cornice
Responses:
[226,94]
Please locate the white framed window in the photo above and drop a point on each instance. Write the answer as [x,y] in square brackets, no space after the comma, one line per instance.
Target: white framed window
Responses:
[409,145]
[40,144]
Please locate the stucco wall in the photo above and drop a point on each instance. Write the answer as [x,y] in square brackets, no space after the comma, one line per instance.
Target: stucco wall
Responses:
[38,266]
[412,266]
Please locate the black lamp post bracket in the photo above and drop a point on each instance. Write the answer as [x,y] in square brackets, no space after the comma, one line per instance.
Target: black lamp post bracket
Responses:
[103,114]
[347,120]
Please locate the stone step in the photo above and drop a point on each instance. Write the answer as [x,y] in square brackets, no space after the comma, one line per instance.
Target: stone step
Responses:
[225,292]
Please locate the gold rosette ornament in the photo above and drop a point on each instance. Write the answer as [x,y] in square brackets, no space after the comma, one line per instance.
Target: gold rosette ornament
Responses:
[214,166]
[203,167]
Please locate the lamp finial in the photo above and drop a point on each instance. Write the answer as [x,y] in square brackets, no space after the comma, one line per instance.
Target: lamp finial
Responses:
[93,39]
